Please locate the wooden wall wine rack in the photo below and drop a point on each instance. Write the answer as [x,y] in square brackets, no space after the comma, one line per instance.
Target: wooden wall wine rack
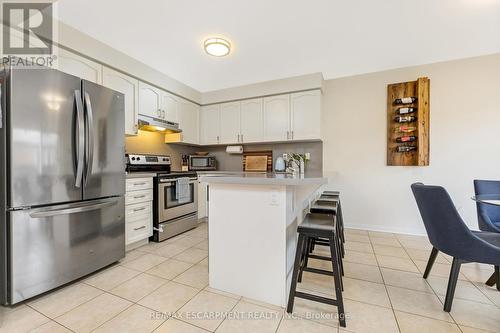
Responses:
[420,156]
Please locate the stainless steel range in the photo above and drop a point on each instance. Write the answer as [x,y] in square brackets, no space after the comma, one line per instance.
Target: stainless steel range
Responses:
[175,200]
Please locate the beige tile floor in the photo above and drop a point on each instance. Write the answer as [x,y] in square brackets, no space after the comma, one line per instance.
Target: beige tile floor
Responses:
[159,288]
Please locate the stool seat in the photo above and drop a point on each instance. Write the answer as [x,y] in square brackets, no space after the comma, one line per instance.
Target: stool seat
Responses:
[337,193]
[327,198]
[323,207]
[322,225]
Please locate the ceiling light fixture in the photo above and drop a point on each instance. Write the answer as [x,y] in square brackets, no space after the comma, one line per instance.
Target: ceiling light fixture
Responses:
[217,47]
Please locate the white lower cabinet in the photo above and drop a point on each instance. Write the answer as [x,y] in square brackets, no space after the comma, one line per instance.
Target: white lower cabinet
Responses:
[138,210]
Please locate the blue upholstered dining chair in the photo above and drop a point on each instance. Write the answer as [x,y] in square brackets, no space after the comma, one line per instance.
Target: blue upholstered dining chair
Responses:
[488,216]
[449,234]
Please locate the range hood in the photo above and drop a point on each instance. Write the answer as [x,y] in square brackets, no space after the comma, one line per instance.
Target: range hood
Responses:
[151,124]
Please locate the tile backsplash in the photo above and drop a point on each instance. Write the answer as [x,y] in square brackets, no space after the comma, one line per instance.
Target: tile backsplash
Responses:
[234,162]
[153,143]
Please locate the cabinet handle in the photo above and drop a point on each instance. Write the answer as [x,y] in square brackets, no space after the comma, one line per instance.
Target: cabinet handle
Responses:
[143,227]
[242,138]
[163,114]
[158,112]
[287,135]
[292,135]
[139,196]
[139,209]
[217,139]
[138,184]
[238,138]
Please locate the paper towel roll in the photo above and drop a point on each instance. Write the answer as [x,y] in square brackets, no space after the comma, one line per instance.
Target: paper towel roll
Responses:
[234,149]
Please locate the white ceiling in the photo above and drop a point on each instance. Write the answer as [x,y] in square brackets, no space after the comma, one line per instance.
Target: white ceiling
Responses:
[275,39]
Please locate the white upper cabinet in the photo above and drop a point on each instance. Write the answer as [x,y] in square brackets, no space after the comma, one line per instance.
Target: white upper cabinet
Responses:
[251,119]
[169,107]
[130,88]
[210,124]
[305,110]
[277,118]
[76,65]
[230,122]
[189,121]
[149,100]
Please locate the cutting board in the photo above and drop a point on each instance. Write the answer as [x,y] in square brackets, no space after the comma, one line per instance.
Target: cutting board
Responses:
[258,161]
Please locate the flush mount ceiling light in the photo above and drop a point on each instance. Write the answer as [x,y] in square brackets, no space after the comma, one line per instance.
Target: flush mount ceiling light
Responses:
[217,47]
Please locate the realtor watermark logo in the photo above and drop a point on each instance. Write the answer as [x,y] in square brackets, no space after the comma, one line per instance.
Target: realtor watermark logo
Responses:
[27,33]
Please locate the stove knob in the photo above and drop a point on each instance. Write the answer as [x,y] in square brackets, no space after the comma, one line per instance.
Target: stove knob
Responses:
[138,158]
[133,158]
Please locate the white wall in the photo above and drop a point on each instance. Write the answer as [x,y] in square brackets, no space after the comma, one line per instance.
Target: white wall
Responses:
[464,141]
[82,43]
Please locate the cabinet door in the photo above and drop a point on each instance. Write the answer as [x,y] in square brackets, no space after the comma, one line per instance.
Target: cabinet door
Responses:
[189,121]
[210,124]
[306,115]
[149,100]
[277,118]
[130,88]
[252,126]
[76,65]
[169,107]
[230,122]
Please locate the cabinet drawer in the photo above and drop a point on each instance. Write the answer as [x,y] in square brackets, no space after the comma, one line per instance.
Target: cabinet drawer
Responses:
[135,197]
[135,184]
[133,211]
[138,230]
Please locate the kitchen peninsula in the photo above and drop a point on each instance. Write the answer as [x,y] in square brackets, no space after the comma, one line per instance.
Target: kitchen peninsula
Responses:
[252,230]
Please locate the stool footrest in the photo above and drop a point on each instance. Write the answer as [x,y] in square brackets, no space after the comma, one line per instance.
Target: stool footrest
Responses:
[322,242]
[317,271]
[314,256]
[316,298]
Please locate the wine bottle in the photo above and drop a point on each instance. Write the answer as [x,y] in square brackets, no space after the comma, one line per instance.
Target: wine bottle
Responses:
[406,110]
[406,129]
[405,100]
[406,149]
[405,119]
[406,138]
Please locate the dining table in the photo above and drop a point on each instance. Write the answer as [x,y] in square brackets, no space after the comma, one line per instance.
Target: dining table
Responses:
[494,200]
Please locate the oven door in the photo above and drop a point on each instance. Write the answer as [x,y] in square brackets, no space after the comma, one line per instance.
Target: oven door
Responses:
[168,206]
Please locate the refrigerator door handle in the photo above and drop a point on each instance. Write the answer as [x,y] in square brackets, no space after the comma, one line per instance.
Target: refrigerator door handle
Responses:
[79,138]
[90,137]
[72,208]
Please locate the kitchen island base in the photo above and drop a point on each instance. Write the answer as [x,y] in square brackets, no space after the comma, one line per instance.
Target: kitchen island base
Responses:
[252,237]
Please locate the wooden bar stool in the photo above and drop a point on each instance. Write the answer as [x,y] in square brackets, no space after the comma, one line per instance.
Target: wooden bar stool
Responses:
[318,226]
[333,197]
[330,207]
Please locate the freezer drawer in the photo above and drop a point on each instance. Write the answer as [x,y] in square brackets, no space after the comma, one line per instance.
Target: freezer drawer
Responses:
[56,245]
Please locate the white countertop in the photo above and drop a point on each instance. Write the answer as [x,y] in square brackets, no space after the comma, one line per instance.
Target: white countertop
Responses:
[262,178]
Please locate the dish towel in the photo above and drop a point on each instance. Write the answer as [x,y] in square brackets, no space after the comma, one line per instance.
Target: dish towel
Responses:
[182,190]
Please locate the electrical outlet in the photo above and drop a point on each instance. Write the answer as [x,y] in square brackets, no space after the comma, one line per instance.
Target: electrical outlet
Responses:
[308,156]
[285,156]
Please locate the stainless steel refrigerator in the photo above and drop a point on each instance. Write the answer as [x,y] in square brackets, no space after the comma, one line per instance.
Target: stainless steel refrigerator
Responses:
[62,180]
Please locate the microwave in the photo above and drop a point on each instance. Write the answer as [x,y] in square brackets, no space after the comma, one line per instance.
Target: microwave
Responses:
[198,163]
